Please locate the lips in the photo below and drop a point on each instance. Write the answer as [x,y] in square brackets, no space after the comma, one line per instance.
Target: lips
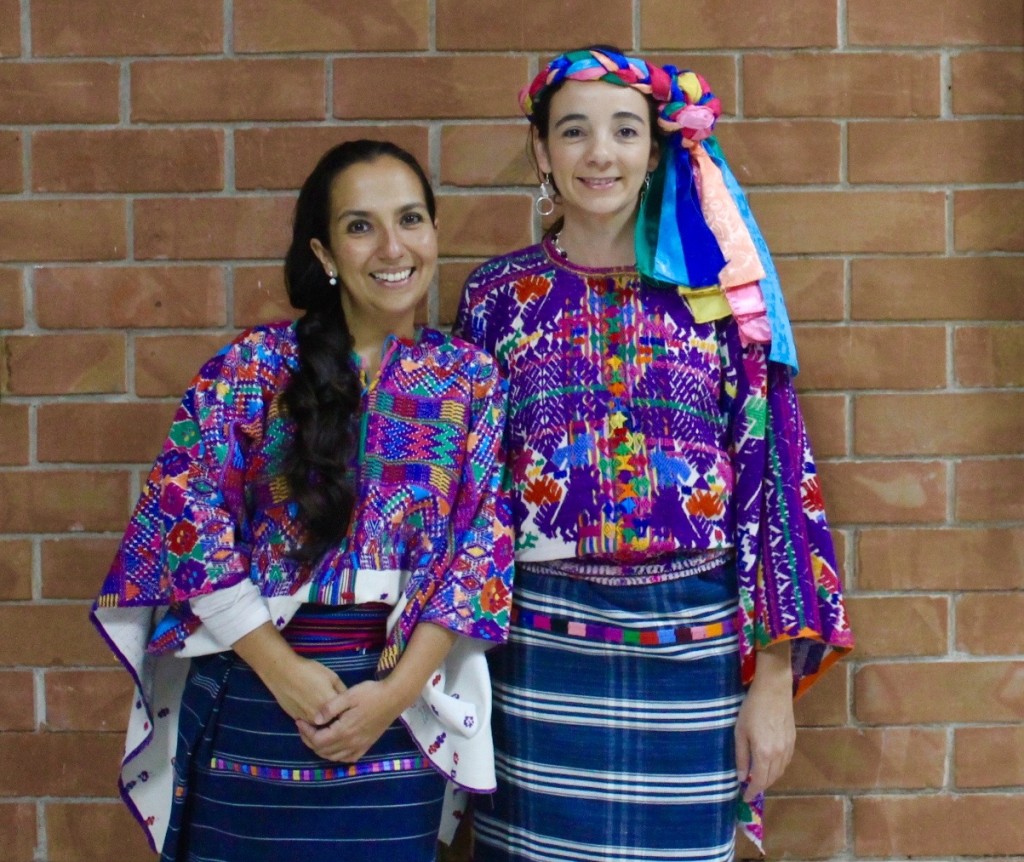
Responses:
[398,276]
[599,183]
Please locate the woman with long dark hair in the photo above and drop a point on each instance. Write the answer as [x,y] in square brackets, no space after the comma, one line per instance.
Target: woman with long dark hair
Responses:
[319,557]
[675,578]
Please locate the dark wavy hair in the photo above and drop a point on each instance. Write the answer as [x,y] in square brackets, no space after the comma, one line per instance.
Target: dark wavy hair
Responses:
[324,395]
[540,123]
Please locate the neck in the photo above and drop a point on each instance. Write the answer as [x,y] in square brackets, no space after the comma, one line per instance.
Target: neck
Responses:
[368,340]
[599,242]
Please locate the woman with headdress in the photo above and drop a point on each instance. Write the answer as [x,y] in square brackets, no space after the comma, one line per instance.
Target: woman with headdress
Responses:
[320,556]
[675,579]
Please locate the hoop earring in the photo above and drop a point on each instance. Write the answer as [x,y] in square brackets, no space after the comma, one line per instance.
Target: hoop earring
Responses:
[545,204]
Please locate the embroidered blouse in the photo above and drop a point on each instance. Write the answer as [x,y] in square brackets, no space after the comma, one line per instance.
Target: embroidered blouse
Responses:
[430,533]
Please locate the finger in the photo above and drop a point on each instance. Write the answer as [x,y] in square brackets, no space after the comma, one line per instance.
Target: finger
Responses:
[332,709]
[757,783]
[742,756]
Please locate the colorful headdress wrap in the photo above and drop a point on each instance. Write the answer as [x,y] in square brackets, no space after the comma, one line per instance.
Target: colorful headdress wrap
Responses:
[694,230]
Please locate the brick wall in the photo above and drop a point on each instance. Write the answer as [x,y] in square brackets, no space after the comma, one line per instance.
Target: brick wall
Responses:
[149,155]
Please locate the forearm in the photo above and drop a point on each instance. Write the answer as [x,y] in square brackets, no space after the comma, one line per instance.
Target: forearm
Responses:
[266,651]
[427,649]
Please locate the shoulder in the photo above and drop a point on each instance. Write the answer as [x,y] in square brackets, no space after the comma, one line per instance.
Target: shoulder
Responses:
[510,267]
[454,352]
[256,358]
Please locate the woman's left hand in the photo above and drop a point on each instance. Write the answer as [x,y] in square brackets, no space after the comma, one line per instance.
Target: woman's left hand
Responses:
[360,715]
[766,727]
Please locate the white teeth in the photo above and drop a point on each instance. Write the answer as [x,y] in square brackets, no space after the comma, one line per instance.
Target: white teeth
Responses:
[393,276]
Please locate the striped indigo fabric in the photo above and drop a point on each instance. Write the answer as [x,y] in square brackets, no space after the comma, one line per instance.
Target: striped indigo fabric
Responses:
[611,747]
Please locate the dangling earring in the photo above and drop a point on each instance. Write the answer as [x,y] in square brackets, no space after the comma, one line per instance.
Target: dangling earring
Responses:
[646,186]
[545,204]
[332,279]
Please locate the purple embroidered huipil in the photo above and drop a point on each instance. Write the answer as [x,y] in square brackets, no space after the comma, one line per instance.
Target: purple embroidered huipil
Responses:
[430,535]
[634,432]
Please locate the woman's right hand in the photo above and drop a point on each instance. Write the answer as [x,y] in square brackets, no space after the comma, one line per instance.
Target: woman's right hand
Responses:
[301,686]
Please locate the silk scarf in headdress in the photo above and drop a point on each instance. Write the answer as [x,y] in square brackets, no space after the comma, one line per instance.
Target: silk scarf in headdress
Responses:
[695,231]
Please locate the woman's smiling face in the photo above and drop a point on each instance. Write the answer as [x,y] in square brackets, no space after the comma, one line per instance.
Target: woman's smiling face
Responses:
[383,245]
[599,147]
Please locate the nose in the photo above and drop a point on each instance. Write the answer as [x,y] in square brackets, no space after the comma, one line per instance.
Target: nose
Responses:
[599,151]
[390,243]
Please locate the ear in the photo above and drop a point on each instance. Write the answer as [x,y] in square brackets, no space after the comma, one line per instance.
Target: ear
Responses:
[540,153]
[652,162]
[324,256]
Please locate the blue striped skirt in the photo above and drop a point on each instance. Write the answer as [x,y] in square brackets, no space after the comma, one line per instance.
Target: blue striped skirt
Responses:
[248,789]
[615,709]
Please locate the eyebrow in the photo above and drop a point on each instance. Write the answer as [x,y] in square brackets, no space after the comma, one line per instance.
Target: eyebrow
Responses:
[618,115]
[416,205]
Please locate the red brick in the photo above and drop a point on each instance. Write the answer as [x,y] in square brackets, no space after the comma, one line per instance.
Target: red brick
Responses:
[282,157]
[989,623]
[973,76]
[165,364]
[227,90]
[971,692]
[889,626]
[17,700]
[452,276]
[825,703]
[10,41]
[128,160]
[270,26]
[732,23]
[130,297]
[260,296]
[15,569]
[63,501]
[841,85]
[989,756]
[938,826]
[91,230]
[18,823]
[944,559]
[460,86]
[938,288]
[13,434]
[951,423]
[828,759]
[801,827]
[871,357]
[917,151]
[784,152]
[12,311]
[37,93]
[88,700]
[59,764]
[988,220]
[483,224]
[63,364]
[99,28]
[51,635]
[10,162]
[532,25]
[94,830]
[825,416]
[885,492]
[823,222]
[102,433]
[989,356]
[486,155]
[814,288]
[990,490]
[935,22]
[74,568]
[213,228]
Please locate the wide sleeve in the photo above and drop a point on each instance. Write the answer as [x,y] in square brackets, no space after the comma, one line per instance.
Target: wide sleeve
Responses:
[189,533]
[468,589]
[789,585]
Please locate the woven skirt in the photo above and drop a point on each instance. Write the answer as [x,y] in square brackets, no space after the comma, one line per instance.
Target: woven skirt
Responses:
[247,789]
[615,709]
